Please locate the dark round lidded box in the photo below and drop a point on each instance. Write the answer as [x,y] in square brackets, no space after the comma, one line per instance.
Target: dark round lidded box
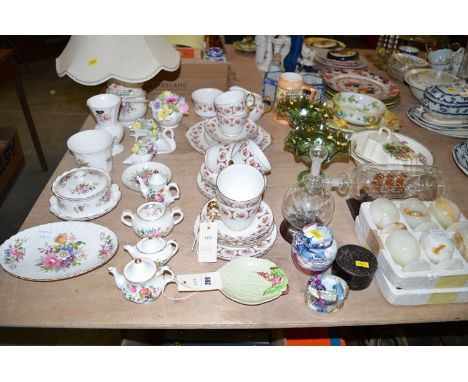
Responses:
[356,265]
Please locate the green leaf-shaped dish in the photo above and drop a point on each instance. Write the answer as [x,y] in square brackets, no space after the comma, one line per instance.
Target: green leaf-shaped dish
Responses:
[253,281]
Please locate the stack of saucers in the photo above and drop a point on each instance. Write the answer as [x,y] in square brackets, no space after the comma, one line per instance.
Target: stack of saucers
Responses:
[207,133]
[363,82]
[328,61]
[254,241]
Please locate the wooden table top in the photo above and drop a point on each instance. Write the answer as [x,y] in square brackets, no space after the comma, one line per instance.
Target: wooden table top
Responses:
[93,301]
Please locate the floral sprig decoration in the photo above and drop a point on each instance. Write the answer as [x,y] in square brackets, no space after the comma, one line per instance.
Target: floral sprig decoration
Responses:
[168,103]
[146,127]
[146,145]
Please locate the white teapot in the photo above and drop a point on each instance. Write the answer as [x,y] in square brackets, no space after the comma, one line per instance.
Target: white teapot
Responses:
[142,281]
[152,219]
[153,248]
[157,189]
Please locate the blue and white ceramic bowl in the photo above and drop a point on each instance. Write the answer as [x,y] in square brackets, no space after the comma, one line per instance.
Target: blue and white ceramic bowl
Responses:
[446,102]
[460,156]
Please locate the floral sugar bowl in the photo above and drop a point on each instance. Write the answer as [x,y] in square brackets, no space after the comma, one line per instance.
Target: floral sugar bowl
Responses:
[152,219]
[142,281]
[153,248]
[313,249]
[83,192]
[168,109]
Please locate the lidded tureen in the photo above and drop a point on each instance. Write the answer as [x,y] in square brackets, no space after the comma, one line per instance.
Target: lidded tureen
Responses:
[82,191]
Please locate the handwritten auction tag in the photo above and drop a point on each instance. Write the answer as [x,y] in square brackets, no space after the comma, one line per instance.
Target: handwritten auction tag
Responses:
[208,242]
[199,282]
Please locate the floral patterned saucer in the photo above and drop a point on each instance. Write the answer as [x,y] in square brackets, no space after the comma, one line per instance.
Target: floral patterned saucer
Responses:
[204,187]
[212,130]
[196,138]
[361,81]
[260,227]
[55,208]
[144,170]
[258,248]
[57,251]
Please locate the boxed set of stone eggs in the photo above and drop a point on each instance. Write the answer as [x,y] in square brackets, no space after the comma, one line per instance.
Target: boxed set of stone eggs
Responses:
[422,249]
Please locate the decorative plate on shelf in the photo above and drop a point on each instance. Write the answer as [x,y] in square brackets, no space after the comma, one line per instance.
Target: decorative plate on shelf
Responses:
[361,81]
[144,170]
[57,251]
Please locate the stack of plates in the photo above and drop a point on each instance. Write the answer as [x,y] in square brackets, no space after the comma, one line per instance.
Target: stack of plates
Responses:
[460,156]
[254,241]
[207,133]
[324,64]
[361,81]
[451,128]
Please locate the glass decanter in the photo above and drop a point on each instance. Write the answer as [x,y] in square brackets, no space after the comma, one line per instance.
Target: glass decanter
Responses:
[372,181]
[310,200]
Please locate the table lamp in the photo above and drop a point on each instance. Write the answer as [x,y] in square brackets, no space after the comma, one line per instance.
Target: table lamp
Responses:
[126,62]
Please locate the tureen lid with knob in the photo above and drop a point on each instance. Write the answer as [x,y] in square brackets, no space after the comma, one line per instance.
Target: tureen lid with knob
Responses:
[81,183]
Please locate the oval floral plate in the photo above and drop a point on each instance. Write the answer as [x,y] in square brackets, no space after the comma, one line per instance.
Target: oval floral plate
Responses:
[253,281]
[361,81]
[57,251]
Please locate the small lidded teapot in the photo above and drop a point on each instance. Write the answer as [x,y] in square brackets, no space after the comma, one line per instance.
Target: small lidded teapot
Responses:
[142,281]
[152,219]
[157,189]
[153,248]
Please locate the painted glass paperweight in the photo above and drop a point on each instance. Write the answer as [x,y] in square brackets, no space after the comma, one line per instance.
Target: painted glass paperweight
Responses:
[372,181]
[313,249]
[326,293]
[309,200]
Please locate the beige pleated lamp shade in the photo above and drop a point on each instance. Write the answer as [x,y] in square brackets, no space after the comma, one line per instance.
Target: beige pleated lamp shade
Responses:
[92,60]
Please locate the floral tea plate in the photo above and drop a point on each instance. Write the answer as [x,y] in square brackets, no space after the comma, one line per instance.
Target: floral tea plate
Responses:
[57,251]
[360,81]
[55,208]
[396,151]
[144,170]
[253,281]
[257,248]
[460,156]
[196,138]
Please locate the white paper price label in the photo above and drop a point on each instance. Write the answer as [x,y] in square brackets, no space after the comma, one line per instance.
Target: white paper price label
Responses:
[208,242]
[199,282]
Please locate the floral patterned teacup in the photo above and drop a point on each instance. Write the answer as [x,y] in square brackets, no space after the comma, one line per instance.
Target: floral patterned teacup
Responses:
[239,195]
[231,125]
[249,153]
[234,102]
[203,100]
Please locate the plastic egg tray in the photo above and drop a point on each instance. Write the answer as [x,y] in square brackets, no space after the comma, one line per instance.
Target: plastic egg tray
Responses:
[435,278]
